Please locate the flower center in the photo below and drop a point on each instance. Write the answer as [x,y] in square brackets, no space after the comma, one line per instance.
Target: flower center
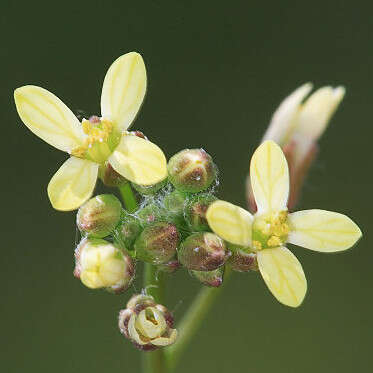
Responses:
[102,138]
[270,230]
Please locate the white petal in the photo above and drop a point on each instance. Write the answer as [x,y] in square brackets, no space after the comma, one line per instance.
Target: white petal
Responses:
[283,120]
[138,160]
[48,117]
[283,274]
[269,175]
[72,184]
[124,89]
[232,223]
[322,230]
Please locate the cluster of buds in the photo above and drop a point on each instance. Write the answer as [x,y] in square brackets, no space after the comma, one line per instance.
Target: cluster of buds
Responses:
[146,324]
[169,230]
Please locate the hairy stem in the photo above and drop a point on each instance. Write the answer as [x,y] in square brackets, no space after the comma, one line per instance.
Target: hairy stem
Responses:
[154,361]
[191,322]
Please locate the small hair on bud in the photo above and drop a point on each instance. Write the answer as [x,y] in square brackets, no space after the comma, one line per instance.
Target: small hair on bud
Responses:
[191,170]
[241,260]
[148,190]
[99,216]
[195,211]
[169,267]
[128,230]
[202,251]
[157,243]
[210,278]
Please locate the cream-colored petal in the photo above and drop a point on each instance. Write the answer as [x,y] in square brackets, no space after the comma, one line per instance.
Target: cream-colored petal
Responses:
[283,274]
[321,230]
[232,223]
[269,175]
[133,332]
[148,328]
[165,341]
[317,111]
[48,117]
[124,89]
[72,184]
[138,160]
[283,120]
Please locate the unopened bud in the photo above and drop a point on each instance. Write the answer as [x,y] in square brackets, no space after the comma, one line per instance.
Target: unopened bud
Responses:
[148,190]
[191,170]
[195,212]
[157,243]
[169,267]
[146,324]
[99,264]
[99,216]
[149,213]
[210,278]
[173,206]
[127,232]
[241,260]
[202,251]
[110,177]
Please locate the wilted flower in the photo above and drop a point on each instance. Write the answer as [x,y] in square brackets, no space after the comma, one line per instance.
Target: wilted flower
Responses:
[99,264]
[99,141]
[272,226]
[147,324]
[296,126]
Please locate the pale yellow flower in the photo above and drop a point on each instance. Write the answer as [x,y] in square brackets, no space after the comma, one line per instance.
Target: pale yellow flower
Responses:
[94,142]
[267,232]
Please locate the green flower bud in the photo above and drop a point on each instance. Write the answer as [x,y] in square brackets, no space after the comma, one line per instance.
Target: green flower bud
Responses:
[210,278]
[157,243]
[195,211]
[169,267]
[241,260]
[202,251]
[149,213]
[110,177]
[99,264]
[127,232]
[99,216]
[173,208]
[191,170]
[146,324]
[148,190]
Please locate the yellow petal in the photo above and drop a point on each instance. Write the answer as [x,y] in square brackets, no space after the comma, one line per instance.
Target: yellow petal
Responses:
[230,222]
[283,274]
[48,117]
[124,89]
[269,176]
[138,160]
[72,184]
[167,340]
[322,230]
[317,111]
[283,120]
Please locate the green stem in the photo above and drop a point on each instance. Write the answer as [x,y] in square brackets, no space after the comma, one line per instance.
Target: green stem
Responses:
[191,322]
[128,197]
[154,361]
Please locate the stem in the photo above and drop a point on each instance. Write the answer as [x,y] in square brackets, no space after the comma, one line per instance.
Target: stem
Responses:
[154,361]
[191,322]
[128,197]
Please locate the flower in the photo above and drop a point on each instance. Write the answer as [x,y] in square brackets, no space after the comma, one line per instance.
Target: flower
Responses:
[146,324]
[297,126]
[267,232]
[97,141]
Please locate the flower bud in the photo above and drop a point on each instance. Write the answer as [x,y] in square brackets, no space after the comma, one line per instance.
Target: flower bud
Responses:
[148,190]
[210,278]
[149,213]
[110,177]
[202,251]
[191,170]
[127,232]
[146,324]
[169,267]
[99,216]
[99,264]
[241,260]
[157,243]
[173,206]
[195,212]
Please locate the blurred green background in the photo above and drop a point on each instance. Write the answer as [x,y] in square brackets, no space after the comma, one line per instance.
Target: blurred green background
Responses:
[217,71]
